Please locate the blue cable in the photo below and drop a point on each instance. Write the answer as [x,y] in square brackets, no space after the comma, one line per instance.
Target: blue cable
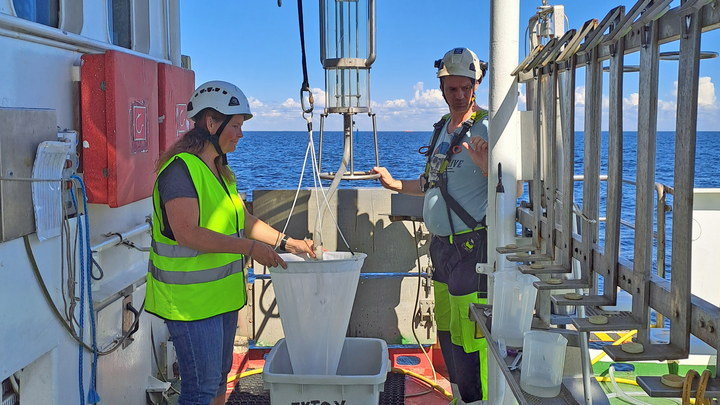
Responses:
[93,396]
[82,304]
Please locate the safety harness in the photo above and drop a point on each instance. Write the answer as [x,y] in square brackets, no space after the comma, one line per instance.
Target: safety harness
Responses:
[441,182]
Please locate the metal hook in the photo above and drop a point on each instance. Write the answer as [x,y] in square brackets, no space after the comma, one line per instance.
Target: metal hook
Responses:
[310,99]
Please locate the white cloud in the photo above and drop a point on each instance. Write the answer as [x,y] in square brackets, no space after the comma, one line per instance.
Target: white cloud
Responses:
[706,94]
[290,103]
[666,106]
[427,98]
[399,103]
[632,101]
[254,103]
[580,95]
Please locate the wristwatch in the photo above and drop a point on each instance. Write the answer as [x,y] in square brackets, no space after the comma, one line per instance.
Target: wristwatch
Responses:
[283,242]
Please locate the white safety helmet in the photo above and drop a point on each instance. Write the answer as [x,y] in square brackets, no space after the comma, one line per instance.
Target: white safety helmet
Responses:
[461,62]
[224,97]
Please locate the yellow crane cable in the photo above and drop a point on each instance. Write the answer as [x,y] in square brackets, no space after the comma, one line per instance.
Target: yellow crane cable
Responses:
[423,379]
[620,341]
[244,374]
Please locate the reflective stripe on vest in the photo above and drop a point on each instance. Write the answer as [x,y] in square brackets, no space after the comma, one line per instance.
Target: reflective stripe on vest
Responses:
[167,250]
[184,284]
[197,276]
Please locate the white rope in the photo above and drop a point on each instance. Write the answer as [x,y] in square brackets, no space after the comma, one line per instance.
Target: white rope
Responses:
[297,192]
[318,186]
[327,203]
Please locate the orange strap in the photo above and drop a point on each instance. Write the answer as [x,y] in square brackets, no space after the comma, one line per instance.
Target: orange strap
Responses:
[687,386]
[702,386]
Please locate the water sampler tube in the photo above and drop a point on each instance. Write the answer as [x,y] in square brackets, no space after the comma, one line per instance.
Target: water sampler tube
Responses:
[347,52]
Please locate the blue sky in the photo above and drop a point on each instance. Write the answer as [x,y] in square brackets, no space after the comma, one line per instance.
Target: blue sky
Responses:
[255,44]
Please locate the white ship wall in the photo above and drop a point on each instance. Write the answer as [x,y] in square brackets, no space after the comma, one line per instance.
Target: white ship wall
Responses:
[38,71]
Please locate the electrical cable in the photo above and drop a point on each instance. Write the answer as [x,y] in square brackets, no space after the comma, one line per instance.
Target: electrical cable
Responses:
[423,379]
[58,315]
[62,259]
[244,374]
[46,294]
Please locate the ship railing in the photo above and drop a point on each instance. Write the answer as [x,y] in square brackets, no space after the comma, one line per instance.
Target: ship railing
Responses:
[549,74]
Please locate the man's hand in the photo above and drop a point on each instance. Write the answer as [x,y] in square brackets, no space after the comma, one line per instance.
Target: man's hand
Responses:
[478,150]
[386,179]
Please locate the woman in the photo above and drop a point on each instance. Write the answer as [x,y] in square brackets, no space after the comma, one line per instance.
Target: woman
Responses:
[201,233]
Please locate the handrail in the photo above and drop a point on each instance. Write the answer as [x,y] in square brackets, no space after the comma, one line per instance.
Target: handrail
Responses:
[371,33]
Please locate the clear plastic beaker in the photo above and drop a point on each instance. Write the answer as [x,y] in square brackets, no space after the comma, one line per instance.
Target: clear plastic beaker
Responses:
[542,364]
[513,304]
[315,298]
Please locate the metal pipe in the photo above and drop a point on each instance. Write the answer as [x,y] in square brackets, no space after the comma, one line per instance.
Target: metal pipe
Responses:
[371,33]
[348,118]
[587,371]
[377,159]
[580,177]
[117,238]
[362,275]
[44,41]
[76,42]
[322,33]
[322,126]
[167,28]
[503,131]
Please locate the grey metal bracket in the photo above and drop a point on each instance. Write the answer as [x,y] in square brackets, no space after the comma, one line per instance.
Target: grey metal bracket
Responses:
[626,24]
[596,36]
[574,45]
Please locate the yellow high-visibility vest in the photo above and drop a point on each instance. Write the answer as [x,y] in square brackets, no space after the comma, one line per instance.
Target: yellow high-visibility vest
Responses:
[184,284]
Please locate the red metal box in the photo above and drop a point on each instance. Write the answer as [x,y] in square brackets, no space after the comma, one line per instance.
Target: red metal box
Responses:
[176,86]
[119,109]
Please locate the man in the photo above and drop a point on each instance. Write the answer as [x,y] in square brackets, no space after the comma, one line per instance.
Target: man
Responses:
[455,187]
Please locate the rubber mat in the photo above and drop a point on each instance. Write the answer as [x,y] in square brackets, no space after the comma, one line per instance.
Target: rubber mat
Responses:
[249,391]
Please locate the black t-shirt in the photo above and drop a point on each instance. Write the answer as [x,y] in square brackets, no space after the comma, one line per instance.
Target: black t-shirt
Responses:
[174,182]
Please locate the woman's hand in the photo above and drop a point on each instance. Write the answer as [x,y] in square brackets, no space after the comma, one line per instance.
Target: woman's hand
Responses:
[297,246]
[266,255]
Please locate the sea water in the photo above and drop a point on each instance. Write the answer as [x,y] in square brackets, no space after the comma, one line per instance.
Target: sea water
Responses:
[274,160]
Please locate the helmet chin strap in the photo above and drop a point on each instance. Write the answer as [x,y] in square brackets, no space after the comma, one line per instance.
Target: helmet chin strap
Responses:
[215,139]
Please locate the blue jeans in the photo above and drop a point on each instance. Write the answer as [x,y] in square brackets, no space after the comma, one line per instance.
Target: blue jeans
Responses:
[204,350]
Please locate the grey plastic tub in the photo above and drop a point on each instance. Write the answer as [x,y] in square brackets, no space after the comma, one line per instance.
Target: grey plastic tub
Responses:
[359,380]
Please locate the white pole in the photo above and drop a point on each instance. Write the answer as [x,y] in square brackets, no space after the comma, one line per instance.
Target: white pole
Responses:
[504,128]
[504,139]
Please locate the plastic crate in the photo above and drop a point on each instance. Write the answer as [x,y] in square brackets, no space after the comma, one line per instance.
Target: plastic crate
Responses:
[360,378]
